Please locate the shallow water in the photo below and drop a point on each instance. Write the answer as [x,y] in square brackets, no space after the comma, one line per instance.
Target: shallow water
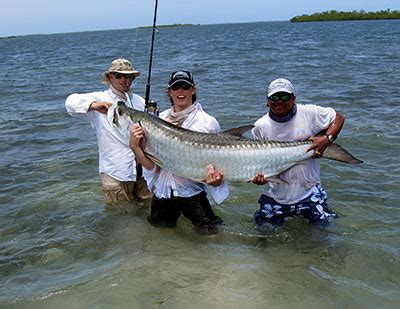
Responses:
[60,247]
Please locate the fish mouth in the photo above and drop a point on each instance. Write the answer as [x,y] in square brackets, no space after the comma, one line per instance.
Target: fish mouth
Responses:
[118,112]
[115,117]
[119,108]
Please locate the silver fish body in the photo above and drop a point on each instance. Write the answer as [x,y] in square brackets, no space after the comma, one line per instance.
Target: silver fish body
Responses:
[187,153]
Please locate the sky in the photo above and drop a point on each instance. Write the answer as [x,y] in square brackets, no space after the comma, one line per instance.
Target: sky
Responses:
[22,17]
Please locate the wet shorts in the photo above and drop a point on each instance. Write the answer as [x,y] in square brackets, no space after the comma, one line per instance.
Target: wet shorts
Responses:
[166,211]
[115,190]
[314,208]
[124,191]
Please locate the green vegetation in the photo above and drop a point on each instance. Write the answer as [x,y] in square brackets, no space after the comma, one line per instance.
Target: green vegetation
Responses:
[354,15]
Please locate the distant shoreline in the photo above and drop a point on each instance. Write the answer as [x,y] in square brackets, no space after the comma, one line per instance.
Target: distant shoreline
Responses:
[334,15]
[8,37]
[302,18]
[170,26]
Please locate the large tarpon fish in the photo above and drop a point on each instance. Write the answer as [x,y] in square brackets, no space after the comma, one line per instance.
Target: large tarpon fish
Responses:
[187,153]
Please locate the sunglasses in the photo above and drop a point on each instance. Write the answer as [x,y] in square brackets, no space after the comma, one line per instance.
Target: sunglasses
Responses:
[127,76]
[184,86]
[284,97]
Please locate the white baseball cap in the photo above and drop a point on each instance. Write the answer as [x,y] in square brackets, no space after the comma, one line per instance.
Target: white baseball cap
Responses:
[280,85]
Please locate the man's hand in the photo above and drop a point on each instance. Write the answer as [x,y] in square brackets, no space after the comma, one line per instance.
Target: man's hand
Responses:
[214,177]
[101,107]
[137,136]
[320,143]
[259,179]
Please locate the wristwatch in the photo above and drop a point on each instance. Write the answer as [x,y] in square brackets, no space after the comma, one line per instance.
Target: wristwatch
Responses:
[331,138]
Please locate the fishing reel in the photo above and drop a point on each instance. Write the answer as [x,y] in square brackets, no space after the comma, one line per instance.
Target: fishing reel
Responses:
[152,108]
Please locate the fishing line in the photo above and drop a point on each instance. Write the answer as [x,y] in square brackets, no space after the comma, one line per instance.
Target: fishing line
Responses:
[134,43]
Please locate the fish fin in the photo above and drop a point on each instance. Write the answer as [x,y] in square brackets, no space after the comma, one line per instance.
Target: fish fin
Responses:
[275,179]
[154,159]
[338,153]
[239,131]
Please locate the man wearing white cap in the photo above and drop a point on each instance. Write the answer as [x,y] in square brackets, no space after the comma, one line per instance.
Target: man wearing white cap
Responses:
[117,166]
[301,192]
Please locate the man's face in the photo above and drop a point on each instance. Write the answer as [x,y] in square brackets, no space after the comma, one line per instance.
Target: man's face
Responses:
[281,103]
[121,82]
[182,95]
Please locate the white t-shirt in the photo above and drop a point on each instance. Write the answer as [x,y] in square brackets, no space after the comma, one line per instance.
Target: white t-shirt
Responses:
[308,121]
[164,182]
[116,158]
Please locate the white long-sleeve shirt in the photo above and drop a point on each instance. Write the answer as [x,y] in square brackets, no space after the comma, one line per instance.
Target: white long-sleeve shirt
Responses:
[308,121]
[164,182]
[116,158]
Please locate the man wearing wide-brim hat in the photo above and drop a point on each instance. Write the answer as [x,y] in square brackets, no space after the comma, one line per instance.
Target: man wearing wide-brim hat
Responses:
[121,66]
[117,166]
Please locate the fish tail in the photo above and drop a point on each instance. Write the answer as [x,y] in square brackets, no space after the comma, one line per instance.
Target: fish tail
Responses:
[338,153]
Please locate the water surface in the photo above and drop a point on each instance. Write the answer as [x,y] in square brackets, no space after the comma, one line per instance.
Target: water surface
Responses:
[60,247]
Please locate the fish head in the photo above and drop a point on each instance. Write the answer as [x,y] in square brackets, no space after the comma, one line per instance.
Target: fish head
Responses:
[122,119]
[122,114]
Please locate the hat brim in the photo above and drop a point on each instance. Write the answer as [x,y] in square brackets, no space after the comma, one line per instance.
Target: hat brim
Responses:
[136,73]
[282,89]
[180,80]
[106,80]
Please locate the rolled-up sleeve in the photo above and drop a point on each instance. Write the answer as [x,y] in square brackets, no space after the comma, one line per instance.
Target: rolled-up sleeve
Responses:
[323,117]
[79,103]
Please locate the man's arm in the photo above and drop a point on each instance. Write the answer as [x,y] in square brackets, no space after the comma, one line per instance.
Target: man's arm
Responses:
[80,104]
[320,143]
[137,137]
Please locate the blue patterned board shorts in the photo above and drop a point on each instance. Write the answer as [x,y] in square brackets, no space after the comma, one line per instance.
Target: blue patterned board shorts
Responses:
[314,208]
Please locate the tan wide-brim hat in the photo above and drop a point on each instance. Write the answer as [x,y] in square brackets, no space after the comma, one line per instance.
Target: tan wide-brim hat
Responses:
[120,65]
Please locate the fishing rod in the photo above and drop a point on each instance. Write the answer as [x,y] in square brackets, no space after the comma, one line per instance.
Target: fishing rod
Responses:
[151,106]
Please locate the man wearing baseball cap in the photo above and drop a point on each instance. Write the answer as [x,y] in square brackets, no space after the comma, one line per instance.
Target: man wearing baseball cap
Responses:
[173,195]
[117,166]
[300,193]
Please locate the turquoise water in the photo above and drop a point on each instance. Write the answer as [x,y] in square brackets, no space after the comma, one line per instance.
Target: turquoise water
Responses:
[60,247]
